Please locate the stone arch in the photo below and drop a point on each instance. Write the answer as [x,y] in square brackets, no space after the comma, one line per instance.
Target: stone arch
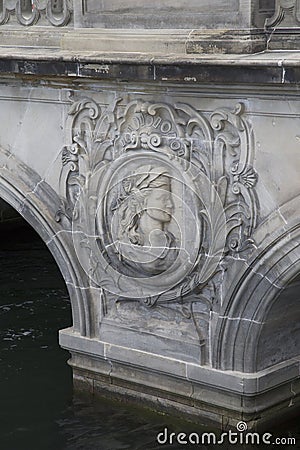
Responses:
[37,203]
[252,301]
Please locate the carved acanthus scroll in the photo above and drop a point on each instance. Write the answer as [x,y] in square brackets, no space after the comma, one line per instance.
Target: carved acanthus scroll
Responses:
[220,146]
[180,186]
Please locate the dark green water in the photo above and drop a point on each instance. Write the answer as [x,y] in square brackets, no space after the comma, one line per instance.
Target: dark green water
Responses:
[37,408]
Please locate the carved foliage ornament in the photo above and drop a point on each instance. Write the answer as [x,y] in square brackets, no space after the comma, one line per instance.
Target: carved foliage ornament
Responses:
[287,14]
[29,12]
[158,196]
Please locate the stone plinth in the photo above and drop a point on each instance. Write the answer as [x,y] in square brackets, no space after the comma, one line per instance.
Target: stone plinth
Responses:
[178,14]
[235,26]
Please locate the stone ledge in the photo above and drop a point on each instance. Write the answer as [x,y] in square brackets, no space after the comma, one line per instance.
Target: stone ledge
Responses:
[233,382]
[127,41]
[149,41]
[41,37]
[168,41]
[268,68]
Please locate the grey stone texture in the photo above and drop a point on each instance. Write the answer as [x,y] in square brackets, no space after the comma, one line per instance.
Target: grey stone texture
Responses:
[170,14]
[163,174]
[235,26]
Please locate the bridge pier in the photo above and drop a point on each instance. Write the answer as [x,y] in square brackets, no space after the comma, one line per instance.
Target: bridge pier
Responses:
[166,185]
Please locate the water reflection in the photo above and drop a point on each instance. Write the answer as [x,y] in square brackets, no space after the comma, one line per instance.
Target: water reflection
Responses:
[35,382]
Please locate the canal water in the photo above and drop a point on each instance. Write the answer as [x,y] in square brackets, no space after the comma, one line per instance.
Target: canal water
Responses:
[37,407]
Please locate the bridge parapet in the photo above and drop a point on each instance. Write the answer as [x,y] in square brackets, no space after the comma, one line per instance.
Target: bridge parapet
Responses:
[27,13]
[234,27]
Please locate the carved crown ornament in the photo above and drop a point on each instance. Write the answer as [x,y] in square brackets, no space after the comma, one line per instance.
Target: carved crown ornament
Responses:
[29,12]
[158,196]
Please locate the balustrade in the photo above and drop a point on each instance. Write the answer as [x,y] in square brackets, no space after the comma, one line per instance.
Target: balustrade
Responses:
[30,12]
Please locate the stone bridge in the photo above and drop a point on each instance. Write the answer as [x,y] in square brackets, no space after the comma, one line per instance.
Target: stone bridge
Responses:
[157,154]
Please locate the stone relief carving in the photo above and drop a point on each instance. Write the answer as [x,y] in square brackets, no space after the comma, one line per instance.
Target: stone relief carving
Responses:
[144,209]
[29,12]
[159,195]
[287,14]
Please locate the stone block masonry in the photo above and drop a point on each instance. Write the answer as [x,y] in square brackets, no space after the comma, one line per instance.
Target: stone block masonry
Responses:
[156,152]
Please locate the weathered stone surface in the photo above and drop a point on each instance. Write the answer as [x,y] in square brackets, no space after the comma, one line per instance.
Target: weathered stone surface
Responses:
[271,68]
[211,397]
[233,26]
[163,338]
[171,14]
[166,186]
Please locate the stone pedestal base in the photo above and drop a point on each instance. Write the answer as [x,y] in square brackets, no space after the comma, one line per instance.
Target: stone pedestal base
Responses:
[207,396]
[176,41]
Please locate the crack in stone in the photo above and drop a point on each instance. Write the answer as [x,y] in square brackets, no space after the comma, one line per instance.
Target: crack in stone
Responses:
[57,234]
[243,319]
[83,288]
